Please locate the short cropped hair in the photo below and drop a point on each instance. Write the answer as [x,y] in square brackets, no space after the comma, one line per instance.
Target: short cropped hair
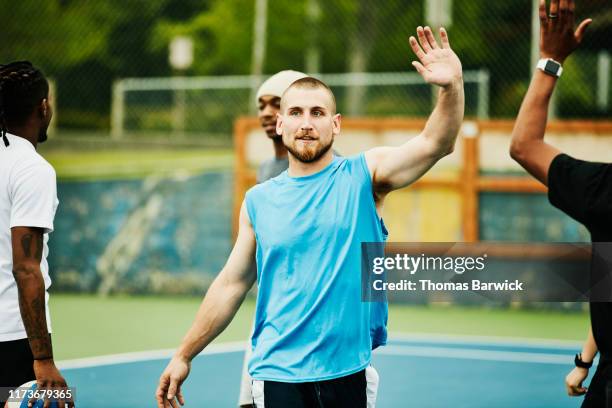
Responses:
[311,83]
[22,88]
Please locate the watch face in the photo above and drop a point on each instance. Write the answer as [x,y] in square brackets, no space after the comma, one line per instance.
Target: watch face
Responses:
[551,67]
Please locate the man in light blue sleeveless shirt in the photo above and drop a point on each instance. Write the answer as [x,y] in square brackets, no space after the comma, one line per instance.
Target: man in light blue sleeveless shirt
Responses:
[310,322]
[312,338]
[268,101]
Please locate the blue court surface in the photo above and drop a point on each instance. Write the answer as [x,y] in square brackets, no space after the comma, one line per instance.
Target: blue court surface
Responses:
[415,371]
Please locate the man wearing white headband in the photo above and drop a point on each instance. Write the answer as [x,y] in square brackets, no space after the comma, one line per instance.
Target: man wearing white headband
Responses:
[268,105]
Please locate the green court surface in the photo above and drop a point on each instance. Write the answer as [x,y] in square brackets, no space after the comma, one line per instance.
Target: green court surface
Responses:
[88,325]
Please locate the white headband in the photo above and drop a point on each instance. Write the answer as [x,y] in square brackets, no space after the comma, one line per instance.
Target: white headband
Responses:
[278,83]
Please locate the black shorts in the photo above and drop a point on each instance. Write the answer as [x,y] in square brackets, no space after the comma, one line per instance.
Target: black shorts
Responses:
[343,392]
[16,365]
[599,394]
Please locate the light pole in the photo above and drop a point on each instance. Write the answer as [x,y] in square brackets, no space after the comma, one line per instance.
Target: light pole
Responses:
[438,13]
[180,58]
[259,47]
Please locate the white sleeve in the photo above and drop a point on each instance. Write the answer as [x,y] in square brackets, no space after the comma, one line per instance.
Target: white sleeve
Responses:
[33,196]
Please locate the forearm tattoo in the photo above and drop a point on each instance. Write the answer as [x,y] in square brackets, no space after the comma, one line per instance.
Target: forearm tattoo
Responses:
[31,288]
[26,246]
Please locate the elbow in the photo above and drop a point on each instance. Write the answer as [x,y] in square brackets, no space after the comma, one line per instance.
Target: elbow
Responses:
[26,271]
[443,150]
[448,150]
[517,151]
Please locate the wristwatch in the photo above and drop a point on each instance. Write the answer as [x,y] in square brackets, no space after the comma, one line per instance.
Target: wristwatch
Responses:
[579,363]
[550,66]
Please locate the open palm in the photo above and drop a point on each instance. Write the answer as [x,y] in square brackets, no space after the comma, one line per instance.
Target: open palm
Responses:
[437,65]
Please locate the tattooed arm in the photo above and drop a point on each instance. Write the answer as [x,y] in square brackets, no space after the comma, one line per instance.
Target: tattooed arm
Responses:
[27,244]
[27,253]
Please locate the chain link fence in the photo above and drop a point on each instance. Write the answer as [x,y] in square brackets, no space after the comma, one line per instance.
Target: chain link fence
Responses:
[206,107]
[87,46]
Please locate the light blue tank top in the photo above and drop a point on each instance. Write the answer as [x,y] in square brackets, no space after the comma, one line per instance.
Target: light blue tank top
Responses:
[310,321]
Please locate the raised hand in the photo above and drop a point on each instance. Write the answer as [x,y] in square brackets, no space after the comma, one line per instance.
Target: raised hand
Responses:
[437,65]
[557,36]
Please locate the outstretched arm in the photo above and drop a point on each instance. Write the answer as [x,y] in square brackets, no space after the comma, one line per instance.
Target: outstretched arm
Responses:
[219,306]
[557,41]
[397,167]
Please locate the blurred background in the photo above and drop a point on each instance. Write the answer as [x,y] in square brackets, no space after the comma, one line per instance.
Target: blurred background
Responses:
[87,49]
[147,95]
[154,142]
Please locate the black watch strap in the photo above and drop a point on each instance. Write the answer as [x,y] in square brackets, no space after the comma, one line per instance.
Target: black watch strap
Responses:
[579,363]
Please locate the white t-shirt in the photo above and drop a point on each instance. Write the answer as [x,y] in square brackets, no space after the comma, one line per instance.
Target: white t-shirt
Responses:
[28,198]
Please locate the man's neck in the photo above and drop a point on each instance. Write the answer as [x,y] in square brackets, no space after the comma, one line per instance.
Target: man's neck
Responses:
[301,169]
[25,133]
[280,151]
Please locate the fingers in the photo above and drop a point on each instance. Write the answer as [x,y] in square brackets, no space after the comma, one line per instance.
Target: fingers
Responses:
[416,48]
[423,39]
[542,13]
[39,386]
[553,16]
[566,17]
[444,38]
[429,36]
[159,397]
[426,42]
[172,389]
[581,29]
[62,386]
[162,390]
[554,7]
[180,397]
[576,390]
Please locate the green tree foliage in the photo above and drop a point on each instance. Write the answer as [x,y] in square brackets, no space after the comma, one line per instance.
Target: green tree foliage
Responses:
[85,45]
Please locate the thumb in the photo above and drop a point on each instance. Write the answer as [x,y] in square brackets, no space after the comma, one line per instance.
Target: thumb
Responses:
[419,67]
[582,28]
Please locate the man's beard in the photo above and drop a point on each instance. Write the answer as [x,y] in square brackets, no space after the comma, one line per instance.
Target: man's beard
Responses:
[42,135]
[309,155]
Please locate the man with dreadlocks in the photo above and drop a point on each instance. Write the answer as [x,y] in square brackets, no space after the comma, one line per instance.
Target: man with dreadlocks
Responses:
[28,200]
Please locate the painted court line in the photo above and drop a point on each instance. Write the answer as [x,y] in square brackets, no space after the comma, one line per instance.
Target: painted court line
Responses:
[391,349]
[486,340]
[122,358]
[475,354]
